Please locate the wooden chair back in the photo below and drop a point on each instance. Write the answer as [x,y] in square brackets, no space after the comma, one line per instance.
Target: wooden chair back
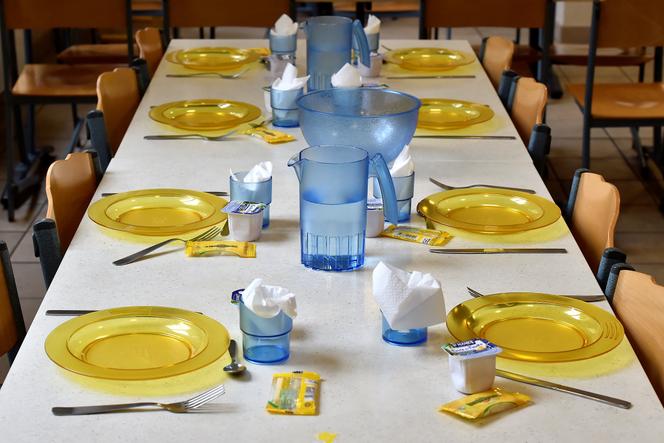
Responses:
[79,14]
[497,53]
[150,47]
[118,97]
[528,103]
[638,302]
[594,216]
[70,185]
[465,13]
[630,23]
[12,327]
[210,13]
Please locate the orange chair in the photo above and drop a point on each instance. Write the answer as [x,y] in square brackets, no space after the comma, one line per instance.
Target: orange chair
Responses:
[592,211]
[211,13]
[48,83]
[526,105]
[622,23]
[118,97]
[638,302]
[12,326]
[496,56]
[70,185]
[150,47]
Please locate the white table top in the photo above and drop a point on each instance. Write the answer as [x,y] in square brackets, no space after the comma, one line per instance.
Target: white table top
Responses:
[372,391]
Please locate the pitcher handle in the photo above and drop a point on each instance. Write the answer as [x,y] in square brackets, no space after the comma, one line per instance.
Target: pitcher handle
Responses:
[362,43]
[386,188]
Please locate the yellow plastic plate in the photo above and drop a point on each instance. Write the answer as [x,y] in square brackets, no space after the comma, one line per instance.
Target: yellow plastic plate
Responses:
[429,59]
[489,211]
[537,327]
[204,114]
[137,343]
[158,212]
[213,59]
[441,113]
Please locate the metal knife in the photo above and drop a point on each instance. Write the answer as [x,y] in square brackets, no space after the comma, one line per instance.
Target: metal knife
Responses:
[73,312]
[562,388]
[413,77]
[217,193]
[500,251]
[470,137]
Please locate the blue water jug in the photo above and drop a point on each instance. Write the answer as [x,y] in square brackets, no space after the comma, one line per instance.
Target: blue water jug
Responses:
[333,204]
[329,44]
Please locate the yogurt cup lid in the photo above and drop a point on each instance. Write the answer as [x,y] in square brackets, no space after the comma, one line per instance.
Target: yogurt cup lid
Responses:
[374,204]
[475,348]
[243,207]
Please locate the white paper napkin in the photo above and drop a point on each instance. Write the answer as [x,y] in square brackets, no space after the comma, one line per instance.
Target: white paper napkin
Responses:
[267,301]
[373,25]
[260,172]
[284,26]
[408,299]
[347,77]
[403,165]
[289,80]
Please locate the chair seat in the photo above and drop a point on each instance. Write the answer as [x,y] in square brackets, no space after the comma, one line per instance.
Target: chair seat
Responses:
[624,101]
[101,53]
[41,80]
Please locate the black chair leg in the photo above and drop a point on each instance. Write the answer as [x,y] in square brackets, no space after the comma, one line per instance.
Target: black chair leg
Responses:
[8,193]
[585,163]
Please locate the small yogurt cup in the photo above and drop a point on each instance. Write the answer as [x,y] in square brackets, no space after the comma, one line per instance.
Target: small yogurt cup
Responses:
[245,219]
[472,364]
[373,70]
[375,217]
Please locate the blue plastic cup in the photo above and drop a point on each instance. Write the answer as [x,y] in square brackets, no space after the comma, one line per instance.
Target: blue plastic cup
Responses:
[264,340]
[404,187]
[259,192]
[285,112]
[283,44]
[372,39]
[408,337]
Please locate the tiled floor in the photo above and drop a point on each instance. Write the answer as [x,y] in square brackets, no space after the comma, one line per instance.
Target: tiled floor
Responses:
[641,226]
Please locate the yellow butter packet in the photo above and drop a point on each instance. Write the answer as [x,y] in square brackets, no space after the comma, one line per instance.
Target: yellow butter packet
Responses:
[294,393]
[220,247]
[429,237]
[483,404]
[271,136]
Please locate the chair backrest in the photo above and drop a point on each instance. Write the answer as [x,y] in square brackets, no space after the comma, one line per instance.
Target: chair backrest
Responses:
[629,23]
[638,302]
[12,327]
[593,214]
[527,104]
[496,57]
[118,97]
[539,146]
[204,13]
[80,14]
[150,47]
[470,13]
[70,185]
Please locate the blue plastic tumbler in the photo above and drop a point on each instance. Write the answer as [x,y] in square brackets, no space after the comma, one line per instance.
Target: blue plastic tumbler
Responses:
[403,186]
[408,337]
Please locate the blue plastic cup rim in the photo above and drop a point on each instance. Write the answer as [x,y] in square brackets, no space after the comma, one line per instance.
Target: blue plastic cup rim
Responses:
[317,147]
[267,336]
[305,97]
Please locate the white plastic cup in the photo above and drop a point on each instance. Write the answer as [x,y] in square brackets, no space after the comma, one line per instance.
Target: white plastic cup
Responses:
[245,227]
[375,221]
[473,375]
[374,69]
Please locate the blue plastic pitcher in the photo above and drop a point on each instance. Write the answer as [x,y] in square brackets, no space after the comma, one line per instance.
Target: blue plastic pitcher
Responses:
[329,43]
[333,204]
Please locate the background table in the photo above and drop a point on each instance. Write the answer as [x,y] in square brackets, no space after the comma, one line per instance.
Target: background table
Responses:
[372,391]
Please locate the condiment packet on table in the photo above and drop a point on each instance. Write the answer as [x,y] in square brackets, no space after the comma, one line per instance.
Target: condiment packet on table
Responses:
[220,247]
[373,25]
[485,403]
[294,393]
[243,208]
[403,165]
[284,26]
[347,77]
[408,300]
[289,80]
[267,301]
[429,237]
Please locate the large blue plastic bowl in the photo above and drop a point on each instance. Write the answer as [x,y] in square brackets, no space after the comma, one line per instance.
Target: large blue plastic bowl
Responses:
[380,121]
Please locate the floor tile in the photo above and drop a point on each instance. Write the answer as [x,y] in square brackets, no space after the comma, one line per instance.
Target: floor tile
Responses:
[610,168]
[641,247]
[24,216]
[571,148]
[30,307]
[25,252]
[640,218]
[11,238]
[29,282]
[633,192]
[4,368]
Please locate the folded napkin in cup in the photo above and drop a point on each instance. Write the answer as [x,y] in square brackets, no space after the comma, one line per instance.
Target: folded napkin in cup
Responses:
[347,77]
[289,80]
[403,165]
[284,26]
[408,300]
[268,301]
[260,172]
[373,25]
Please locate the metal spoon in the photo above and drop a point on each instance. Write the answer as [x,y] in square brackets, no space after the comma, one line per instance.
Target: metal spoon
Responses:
[235,367]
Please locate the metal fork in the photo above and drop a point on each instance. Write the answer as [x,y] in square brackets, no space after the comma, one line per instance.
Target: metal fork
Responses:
[188,137]
[207,235]
[178,407]
[451,188]
[586,298]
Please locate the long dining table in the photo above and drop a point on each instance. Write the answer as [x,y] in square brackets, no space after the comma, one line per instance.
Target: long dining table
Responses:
[371,391]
